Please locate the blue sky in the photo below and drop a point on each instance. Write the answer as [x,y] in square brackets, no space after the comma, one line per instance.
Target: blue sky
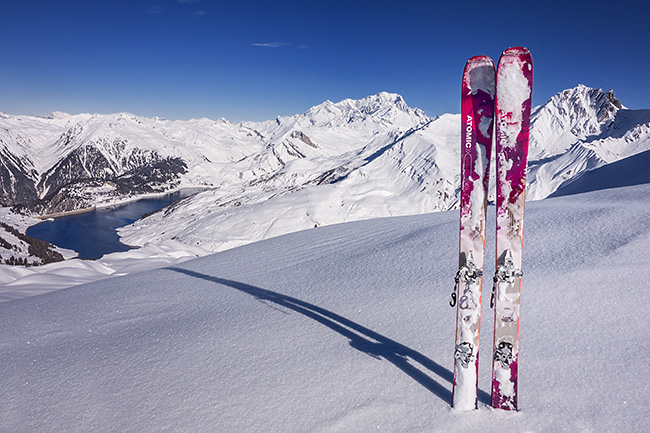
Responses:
[255,60]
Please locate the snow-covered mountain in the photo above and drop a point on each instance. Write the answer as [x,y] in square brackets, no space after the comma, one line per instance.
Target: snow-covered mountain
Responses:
[88,160]
[413,170]
[64,162]
[577,131]
[337,162]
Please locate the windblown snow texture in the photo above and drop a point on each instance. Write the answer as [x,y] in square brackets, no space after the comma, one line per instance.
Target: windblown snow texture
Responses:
[340,328]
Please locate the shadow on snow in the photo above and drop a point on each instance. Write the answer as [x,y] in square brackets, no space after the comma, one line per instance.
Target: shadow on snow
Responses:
[360,337]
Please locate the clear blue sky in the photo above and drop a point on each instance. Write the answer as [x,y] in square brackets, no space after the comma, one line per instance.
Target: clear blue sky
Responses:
[254,60]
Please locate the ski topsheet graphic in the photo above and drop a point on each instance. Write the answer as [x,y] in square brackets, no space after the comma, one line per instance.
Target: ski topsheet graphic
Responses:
[512,107]
[477,112]
[502,105]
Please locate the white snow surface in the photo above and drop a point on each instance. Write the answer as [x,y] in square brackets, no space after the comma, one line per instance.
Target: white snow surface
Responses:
[18,281]
[344,328]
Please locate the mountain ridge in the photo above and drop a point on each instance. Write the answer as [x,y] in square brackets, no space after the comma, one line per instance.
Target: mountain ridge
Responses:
[336,162]
[413,172]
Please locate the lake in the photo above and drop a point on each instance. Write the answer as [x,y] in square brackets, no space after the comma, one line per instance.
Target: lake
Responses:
[92,234]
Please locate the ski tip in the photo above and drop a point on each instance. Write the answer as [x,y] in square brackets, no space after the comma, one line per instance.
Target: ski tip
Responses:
[516,51]
[481,59]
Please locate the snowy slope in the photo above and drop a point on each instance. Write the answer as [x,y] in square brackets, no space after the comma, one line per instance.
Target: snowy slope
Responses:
[629,171]
[342,328]
[17,248]
[577,131]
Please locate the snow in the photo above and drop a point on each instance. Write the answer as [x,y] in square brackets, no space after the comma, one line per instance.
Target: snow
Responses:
[342,328]
[629,171]
[18,282]
[19,249]
[485,125]
[511,97]
[479,79]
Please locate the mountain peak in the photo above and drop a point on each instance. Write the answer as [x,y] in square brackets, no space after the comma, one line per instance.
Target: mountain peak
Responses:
[382,99]
[384,106]
[610,96]
[58,115]
[603,102]
[386,97]
[583,110]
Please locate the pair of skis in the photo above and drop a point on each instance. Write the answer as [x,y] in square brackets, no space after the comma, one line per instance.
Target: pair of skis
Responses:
[498,104]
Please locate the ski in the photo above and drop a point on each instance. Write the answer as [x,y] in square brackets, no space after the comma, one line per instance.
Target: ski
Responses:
[514,79]
[477,113]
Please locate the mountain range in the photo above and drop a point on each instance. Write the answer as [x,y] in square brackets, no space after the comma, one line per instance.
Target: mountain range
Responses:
[337,162]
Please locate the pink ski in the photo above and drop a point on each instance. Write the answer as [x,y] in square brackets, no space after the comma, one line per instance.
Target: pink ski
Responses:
[477,113]
[514,81]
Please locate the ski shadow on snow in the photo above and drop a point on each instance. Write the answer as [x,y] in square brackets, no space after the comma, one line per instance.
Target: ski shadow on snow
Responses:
[360,337]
